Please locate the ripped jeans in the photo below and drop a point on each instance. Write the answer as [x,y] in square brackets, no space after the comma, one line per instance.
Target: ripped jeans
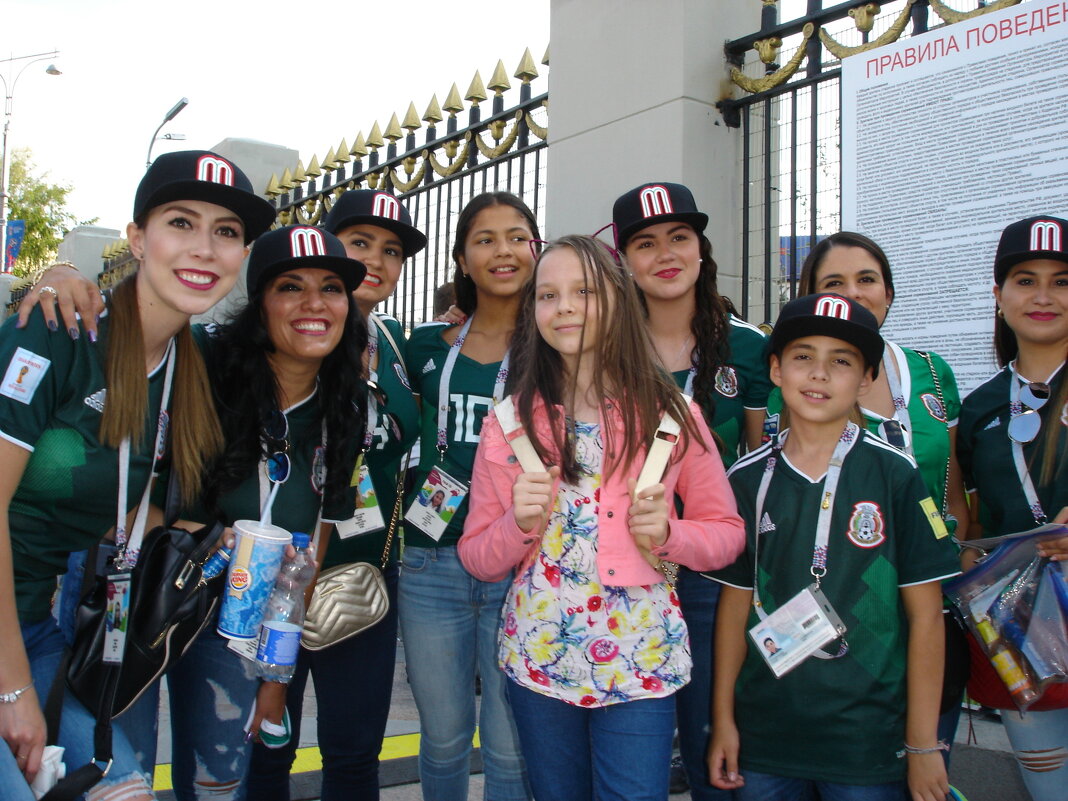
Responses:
[44,647]
[212,691]
[1040,744]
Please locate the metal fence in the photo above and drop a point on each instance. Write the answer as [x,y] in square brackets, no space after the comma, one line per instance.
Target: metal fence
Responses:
[788,114]
[436,177]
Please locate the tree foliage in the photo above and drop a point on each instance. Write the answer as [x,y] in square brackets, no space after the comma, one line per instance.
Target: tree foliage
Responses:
[43,206]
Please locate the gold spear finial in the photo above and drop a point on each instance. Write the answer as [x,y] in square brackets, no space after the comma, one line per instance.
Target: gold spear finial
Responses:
[314,170]
[273,189]
[432,115]
[453,104]
[359,147]
[375,140]
[476,92]
[411,120]
[341,154]
[499,82]
[545,58]
[393,130]
[526,71]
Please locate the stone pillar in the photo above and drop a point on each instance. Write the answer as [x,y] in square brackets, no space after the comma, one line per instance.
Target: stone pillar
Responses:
[84,246]
[632,92]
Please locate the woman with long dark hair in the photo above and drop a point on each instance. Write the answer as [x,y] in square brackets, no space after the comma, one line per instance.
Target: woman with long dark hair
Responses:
[1012,451]
[717,359]
[448,617]
[354,678]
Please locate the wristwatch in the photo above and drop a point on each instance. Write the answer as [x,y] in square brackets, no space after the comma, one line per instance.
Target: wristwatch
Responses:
[14,695]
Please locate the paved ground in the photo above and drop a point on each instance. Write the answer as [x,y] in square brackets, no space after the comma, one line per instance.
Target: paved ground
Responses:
[982,767]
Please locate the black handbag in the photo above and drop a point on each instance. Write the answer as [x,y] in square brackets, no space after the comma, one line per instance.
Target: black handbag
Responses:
[170,604]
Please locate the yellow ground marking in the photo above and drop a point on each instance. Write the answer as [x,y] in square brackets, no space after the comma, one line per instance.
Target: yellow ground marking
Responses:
[308,759]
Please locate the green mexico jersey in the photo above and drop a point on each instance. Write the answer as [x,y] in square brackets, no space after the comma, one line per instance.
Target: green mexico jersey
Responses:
[742,384]
[51,402]
[882,538]
[985,453]
[469,400]
[393,436]
[929,418]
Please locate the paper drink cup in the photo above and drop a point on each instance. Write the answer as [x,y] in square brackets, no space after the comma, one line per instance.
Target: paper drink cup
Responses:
[250,577]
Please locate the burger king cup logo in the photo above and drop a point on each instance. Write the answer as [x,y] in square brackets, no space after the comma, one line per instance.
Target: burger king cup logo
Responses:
[239,579]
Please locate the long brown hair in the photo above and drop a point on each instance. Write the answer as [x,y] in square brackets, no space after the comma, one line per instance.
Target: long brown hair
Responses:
[195,435]
[624,371]
[806,284]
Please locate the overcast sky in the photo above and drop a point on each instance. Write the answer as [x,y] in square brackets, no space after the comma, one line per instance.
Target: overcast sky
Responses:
[302,75]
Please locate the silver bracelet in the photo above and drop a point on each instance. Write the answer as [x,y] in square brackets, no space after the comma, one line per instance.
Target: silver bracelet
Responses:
[13,696]
[911,749]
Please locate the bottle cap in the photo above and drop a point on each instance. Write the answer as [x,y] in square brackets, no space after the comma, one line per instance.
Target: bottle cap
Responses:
[301,540]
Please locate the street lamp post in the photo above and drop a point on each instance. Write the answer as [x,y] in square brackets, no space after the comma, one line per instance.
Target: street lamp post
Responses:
[175,109]
[5,167]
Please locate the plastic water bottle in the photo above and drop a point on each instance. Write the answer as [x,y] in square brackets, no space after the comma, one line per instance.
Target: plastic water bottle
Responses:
[276,656]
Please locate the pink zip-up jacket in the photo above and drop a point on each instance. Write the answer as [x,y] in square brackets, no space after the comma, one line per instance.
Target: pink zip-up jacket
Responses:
[711,535]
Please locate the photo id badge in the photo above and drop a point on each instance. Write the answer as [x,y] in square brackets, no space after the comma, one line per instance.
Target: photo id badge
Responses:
[437,502]
[367,516]
[796,630]
[117,618]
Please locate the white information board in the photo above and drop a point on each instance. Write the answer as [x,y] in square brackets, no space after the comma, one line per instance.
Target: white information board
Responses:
[947,138]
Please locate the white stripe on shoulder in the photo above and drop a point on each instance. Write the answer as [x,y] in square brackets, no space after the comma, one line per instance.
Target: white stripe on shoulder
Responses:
[871,439]
[738,322]
[430,324]
[931,580]
[727,583]
[759,454]
[14,441]
[386,317]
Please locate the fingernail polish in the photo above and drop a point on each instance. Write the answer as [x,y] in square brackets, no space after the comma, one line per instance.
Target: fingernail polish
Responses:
[53,326]
[73,331]
[92,336]
[20,324]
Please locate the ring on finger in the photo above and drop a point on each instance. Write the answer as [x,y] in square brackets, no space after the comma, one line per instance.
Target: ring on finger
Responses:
[51,290]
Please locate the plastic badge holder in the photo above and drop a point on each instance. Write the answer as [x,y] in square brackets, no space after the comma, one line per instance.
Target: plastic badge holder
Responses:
[1016,604]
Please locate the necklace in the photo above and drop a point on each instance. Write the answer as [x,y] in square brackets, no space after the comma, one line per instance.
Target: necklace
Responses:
[687,345]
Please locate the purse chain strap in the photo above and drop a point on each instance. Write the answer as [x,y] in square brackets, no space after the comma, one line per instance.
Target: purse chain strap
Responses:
[945,411]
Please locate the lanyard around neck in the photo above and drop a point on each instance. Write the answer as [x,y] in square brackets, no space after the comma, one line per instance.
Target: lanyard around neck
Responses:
[823,522]
[129,548]
[446,377]
[1026,484]
[901,406]
[372,374]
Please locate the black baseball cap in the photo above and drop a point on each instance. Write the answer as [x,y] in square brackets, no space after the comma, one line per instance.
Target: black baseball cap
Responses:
[654,203]
[829,315]
[207,176]
[371,207]
[297,246]
[1042,237]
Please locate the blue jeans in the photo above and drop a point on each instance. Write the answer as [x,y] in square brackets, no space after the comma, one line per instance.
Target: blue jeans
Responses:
[449,622]
[1040,744]
[211,693]
[620,752]
[766,787]
[44,647]
[698,598]
[353,685]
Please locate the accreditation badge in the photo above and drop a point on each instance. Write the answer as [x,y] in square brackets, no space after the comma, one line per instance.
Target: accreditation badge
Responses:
[367,518]
[796,630]
[118,617]
[436,503]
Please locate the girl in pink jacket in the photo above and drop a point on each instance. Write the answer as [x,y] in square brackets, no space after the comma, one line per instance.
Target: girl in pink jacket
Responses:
[592,638]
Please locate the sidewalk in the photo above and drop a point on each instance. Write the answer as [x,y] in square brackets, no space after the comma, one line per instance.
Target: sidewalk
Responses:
[983,770]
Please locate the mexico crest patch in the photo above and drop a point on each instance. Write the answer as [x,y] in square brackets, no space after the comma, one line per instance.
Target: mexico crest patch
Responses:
[867,529]
[727,382]
[934,406]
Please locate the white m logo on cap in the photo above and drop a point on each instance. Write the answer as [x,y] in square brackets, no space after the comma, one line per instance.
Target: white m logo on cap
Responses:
[305,242]
[215,170]
[1045,235]
[386,206]
[828,306]
[655,201]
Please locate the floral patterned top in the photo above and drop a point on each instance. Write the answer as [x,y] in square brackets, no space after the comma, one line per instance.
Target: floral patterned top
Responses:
[567,636]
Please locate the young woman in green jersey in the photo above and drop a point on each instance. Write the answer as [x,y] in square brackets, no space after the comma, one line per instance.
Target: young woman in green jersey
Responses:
[718,360]
[1012,450]
[448,618]
[79,419]
[354,678]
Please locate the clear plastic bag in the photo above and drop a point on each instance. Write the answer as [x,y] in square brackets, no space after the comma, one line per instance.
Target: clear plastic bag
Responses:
[1015,602]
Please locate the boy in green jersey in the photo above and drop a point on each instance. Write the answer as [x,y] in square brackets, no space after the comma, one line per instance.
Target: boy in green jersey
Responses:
[845,551]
